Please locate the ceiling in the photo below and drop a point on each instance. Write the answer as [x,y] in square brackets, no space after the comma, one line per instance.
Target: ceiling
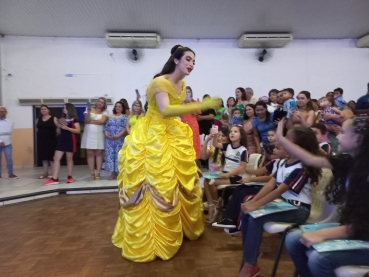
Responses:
[186,19]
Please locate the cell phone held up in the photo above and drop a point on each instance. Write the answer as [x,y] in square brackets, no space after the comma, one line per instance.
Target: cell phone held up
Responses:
[214,130]
[293,105]
[89,105]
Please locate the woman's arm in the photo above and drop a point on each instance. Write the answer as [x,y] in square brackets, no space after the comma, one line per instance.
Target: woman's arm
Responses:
[304,156]
[87,116]
[257,140]
[205,153]
[168,110]
[309,120]
[340,232]
[121,133]
[128,128]
[102,121]
[205,117]
[75,130]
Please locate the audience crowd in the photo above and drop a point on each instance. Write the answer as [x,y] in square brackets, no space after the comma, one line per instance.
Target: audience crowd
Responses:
[296,136]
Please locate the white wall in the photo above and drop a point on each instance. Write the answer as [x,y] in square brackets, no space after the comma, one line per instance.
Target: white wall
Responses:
[38,67]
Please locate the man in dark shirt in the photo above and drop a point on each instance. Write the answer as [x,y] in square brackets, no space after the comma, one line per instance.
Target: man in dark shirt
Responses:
[362,105]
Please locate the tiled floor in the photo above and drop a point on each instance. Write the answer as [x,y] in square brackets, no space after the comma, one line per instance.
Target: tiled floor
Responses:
[29,182]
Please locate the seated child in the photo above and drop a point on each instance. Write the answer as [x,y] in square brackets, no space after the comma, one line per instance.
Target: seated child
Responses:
[320,130]
[269,148]
[243,192]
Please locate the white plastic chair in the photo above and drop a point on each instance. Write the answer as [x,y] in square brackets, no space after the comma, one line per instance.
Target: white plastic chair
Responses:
[321,212]
[351,271]
[252,164]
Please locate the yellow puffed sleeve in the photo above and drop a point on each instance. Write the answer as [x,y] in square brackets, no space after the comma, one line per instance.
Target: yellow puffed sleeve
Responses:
[160,84]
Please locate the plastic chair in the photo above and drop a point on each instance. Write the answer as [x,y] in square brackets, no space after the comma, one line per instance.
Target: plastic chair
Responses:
[252,164]
[321,212]
[351,271]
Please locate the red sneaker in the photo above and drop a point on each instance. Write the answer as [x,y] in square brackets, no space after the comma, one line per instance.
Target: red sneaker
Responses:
[51,182]
[254,271]
[69,180]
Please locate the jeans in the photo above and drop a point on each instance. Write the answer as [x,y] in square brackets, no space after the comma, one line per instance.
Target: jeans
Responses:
[240,194]
[8,157]
[252,229]
[309,262]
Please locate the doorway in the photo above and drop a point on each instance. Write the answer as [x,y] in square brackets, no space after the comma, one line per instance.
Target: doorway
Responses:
[80,157]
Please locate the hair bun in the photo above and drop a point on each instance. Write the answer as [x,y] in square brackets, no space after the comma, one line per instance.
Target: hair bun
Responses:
[175,48]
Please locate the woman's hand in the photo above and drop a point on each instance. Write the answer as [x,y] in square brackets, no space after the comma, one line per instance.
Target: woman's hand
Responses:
[308,239]
[248,207]
[327,116]
[199,117]
[296,113]
[65,127]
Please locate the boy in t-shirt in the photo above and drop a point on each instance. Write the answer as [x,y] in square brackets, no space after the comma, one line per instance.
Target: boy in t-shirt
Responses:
[289,103]
[338,99]
[320,131]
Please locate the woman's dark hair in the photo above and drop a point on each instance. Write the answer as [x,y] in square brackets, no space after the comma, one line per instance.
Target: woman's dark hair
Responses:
[44,106]
[251,106]
[222,105]
[243,91]
[233,100]
[306,139]
[125,104]
[329,93]
[355,198]
[225,132]
[331,100]
[267,114]
[123,108]
[177,53]
[309,105]
[205,95]
[72,113]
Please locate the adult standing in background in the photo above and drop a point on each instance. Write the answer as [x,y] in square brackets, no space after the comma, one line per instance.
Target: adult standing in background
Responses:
[206,119]
[127,111]
[137,113]
[191,120]
[250,96]
[115,131]
[362,105]
[46,140]
[231,102]
[6,128]
[241,101]
[93,136]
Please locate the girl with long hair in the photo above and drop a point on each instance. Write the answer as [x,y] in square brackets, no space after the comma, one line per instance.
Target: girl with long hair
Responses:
[292,183]
[158,180]
[236,157]
[349,190]
[136,114]
[68,127]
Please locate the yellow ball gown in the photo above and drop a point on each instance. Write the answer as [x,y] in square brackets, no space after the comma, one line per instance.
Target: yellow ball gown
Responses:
[159,188]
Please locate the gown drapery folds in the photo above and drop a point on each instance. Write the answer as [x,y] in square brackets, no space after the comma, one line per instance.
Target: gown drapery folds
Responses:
[159,189]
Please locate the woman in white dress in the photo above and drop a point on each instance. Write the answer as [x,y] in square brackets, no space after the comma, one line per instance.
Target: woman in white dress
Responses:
[93,139]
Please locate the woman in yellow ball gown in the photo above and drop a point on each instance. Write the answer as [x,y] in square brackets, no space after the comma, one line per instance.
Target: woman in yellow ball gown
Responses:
[159,189]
